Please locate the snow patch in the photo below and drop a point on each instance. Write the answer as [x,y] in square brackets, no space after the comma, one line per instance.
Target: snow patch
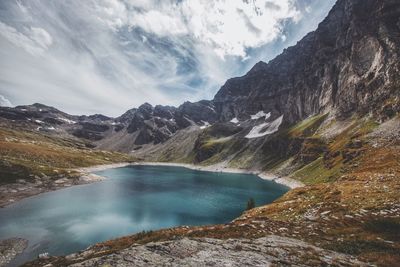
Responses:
[38,121]
[67,120]
[260,115]
[234,120]
[265,128]
[210,108]
[206,124]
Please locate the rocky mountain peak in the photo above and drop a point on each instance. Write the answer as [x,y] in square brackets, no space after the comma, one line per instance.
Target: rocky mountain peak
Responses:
[350,64]
[259,66]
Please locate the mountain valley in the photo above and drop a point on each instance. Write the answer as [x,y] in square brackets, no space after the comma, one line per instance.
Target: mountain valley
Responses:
[324,113]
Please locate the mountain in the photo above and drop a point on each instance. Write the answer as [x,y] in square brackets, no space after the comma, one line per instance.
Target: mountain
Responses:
[146,124]
[349,65]
[324,113]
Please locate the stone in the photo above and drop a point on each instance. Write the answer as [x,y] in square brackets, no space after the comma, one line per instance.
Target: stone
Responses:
[267,251]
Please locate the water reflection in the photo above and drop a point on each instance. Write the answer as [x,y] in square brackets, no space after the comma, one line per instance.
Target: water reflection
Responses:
[133,199]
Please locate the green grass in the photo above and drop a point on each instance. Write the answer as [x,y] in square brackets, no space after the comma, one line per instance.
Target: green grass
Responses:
[316,172]
[308,126]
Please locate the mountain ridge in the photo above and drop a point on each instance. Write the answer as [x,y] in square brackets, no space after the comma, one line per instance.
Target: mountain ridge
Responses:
[348,65]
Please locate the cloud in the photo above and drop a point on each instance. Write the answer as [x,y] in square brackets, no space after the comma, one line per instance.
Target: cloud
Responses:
[4,102]
[41,37]
[106,56]
[229,27]
[36,40]
[233,28]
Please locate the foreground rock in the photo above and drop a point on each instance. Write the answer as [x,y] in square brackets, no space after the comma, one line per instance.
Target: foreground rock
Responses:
[268,251]
[10,248]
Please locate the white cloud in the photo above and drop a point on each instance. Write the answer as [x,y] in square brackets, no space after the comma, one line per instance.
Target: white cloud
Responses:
[232,28]
[227,26]
[159,23]
[4,102]
[35,41]
[41,37]
[106,56]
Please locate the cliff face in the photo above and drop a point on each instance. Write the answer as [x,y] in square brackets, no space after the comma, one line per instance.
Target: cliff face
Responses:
[350,64]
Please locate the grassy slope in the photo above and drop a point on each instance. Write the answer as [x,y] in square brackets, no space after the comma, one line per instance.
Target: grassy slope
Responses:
[350,204]
[25,154]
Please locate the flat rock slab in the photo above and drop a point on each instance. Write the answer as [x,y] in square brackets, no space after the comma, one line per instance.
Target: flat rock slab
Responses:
[267,251]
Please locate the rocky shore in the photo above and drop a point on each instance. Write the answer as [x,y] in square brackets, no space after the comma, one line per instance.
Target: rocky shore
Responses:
[267,251]
[10,248]
[11,193]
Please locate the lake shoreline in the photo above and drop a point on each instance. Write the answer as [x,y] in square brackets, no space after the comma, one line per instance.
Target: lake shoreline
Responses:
[12,193]
[286,181]
[164,189]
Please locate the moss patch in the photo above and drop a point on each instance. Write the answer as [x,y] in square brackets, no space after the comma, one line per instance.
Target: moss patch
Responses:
[316,172]
[308,126]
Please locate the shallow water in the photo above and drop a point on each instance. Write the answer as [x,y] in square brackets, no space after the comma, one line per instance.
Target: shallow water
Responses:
[131,200]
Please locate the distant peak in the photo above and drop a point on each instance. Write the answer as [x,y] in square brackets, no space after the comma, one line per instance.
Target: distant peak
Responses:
[39,105]
[145,105]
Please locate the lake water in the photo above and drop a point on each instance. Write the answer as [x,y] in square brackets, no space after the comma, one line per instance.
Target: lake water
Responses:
[131,200]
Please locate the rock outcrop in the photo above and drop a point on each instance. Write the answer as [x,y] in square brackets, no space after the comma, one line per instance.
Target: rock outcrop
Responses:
[267,251]
[10,248]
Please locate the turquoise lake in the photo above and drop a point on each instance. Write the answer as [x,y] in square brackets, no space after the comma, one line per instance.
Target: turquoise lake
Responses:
[130,200]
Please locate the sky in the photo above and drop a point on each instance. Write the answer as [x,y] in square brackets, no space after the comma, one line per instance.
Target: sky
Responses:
[108,56]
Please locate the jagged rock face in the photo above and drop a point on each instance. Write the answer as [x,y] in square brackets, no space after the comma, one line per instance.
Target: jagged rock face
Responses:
[144,125]
[35,111]
[91,131]
[349,64]
[42,118]
[96,117]
[165,112]
[200,112]
[148,124]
